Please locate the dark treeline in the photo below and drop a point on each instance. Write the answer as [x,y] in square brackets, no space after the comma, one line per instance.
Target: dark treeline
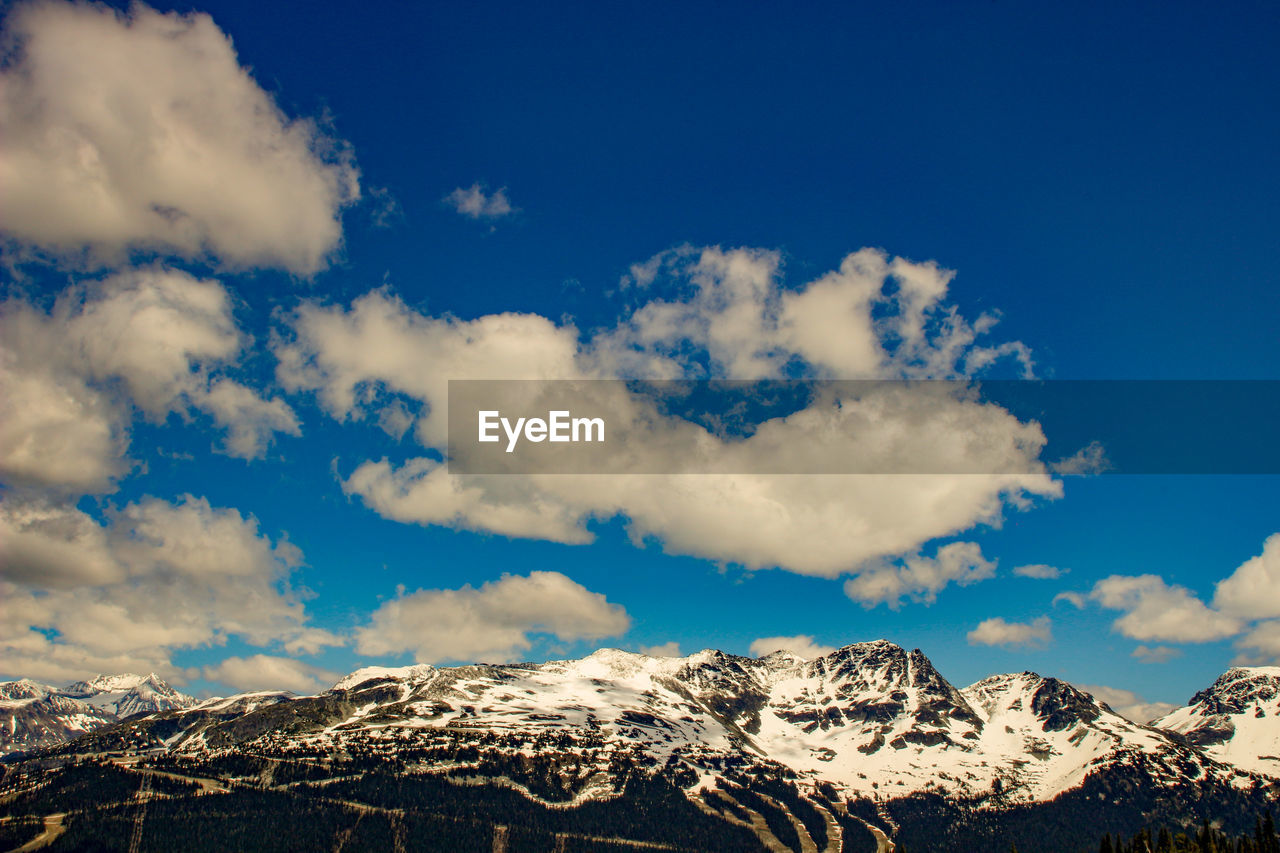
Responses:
[1206,840]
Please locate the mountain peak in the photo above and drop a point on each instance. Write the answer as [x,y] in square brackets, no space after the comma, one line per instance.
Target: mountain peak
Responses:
[412,673]
[24,688]
[1239,689]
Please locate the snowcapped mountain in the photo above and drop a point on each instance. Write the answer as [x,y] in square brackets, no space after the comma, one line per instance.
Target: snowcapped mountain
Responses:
[128,694]
[1043,736]
[1236,720]
[870,719]
[35,715]
[869,741]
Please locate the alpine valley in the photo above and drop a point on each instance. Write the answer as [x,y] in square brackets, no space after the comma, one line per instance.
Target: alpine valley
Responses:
[868,749]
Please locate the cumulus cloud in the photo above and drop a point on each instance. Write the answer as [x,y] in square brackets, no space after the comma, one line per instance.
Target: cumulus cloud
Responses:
[474,203]
[1156,654]
[191,157]
[1038,570]
[997,632]
[666,650]
[727,314]
[77,596]
[1128,704]
[801,645]
[1260,645]
[155,340]
[269,672]
[1252,591]
[920,577]
[491,623]
[1155,610]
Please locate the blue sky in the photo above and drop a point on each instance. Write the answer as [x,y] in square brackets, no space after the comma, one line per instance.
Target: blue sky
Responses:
[1099,177]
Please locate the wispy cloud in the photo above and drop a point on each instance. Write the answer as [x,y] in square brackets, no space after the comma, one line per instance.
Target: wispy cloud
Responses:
[1156,654]
[474,203]
[1039,570]
[1128,704]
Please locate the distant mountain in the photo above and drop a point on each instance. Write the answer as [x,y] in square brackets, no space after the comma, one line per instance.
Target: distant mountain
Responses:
[128,694]
[868,742]
[35,715]
[1237,720]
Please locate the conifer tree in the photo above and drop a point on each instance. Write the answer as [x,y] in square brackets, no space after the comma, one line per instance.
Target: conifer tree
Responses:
[1105,846]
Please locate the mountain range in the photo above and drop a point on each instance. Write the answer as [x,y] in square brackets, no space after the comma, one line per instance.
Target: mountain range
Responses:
[869,742]
[35,715]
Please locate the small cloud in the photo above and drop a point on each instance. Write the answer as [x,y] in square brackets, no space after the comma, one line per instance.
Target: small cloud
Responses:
[1087,461]
[666,650]
[1039,570]
[918,576]
[1156,654]
[384,210]
[801,645]
[997,632]
[1073,598]
[1128,704]
[472,202]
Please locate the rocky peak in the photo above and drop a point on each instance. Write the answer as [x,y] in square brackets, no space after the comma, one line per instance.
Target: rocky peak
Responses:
[1239,690]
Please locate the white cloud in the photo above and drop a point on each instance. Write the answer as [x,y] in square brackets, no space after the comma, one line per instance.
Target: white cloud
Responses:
[997,632]
[55,430]
[46,545]
[801,645]
[269,672]
[1157,611]
[1252,591]
[474,203]
[78,597]
[1075,599]
[666,650]
[1261,645]
[155,339]
[1128,704]
[422,491]
[491,623]
[733,318]
[143,132]
[920,577]
[1038,570]
[1156,654]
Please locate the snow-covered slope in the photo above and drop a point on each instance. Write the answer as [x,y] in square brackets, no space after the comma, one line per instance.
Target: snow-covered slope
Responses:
[33,715]
[871,719]
[1043,736]
[128,694]
[24,688]
[1237,720]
